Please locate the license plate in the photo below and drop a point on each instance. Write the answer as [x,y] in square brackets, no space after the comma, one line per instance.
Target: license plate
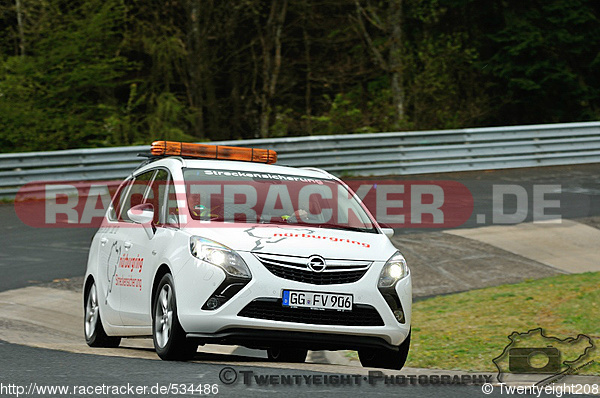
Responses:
[317,300]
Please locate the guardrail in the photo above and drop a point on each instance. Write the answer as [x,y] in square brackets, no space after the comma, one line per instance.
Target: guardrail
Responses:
[400,153]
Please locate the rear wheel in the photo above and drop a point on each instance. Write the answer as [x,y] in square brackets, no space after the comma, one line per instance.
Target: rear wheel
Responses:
[95,336]
[168,335]
[386,359]
[293,355]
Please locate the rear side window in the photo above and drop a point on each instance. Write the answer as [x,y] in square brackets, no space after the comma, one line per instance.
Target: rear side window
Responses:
[172,208]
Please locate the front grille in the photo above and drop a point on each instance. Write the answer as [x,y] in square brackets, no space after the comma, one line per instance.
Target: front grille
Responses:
[272,309]
[296,268]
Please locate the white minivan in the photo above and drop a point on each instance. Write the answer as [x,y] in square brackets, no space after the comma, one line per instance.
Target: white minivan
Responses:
[213,244]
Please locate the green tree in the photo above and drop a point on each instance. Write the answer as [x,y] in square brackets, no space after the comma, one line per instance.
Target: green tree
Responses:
[121,72]
[546,60]
[59,94]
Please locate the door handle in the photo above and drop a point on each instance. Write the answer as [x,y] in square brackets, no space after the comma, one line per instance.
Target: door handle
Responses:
[127,245]
[103,241]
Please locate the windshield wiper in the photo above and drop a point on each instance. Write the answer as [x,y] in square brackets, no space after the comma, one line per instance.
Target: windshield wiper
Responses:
[344,227]
[319,225]
[275,221]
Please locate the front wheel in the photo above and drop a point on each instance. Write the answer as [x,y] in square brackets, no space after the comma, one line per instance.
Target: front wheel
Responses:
[168,335]
[292,355]
[386,359]
[95,336]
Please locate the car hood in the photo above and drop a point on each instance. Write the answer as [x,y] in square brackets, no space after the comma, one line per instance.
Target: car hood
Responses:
[297,241]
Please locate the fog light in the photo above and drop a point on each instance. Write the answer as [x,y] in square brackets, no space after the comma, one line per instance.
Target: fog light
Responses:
[226,290]
[393,301]
[213,303]
[399,314]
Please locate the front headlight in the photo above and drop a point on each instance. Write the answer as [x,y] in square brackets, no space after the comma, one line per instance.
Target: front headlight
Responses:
[219,255]
[394,270]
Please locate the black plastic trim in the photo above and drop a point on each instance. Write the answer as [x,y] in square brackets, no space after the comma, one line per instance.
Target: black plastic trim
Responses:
[272,309]
[262,339]
[227,289]
[393,301]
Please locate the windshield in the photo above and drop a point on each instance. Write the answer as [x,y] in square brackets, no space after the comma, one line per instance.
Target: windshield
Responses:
[270,198]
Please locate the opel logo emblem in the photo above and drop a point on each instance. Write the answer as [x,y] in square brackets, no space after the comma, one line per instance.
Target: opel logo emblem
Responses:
[316,263]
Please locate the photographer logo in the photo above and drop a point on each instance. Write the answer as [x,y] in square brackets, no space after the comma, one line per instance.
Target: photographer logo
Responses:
[541,358]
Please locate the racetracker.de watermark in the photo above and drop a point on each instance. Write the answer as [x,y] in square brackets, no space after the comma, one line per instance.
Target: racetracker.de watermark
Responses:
[127,389]
[225,203]
[230,376]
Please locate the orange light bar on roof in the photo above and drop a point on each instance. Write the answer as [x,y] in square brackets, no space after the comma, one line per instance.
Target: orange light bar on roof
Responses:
[173,148]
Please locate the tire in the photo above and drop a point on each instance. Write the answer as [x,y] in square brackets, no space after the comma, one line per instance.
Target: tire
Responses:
[95,336]
[386,359]
[169,338]
[292,355]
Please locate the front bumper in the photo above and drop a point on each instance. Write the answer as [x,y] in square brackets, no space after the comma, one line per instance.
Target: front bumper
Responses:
[263,339]
[197,280]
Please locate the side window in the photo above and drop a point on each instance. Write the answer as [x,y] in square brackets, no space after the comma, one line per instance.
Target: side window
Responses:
[156,195]
[118,199]
[172,208]
[135,196]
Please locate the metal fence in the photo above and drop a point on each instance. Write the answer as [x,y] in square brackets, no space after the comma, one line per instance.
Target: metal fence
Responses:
[400,153]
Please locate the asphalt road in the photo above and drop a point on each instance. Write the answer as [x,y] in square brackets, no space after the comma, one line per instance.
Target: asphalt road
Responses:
[33,255]
[23,366]
[30,256]
[576,189]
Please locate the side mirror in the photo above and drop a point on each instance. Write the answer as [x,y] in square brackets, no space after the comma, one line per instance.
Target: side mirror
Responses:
[389,232]
[144,215]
